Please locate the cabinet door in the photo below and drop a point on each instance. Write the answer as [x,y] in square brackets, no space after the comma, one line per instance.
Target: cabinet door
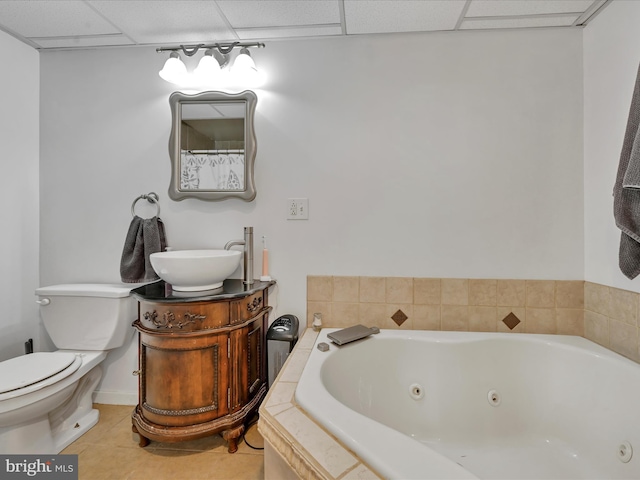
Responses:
[247,366]
[184,379]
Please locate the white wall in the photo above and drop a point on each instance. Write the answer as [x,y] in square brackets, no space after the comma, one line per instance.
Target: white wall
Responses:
[611,57]
[443,155]
[19,195]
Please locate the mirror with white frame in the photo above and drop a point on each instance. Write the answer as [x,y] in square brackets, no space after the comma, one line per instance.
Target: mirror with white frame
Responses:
[212,145]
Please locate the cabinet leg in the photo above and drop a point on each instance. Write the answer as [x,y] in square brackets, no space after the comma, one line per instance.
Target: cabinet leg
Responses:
[143,442]
[232,436]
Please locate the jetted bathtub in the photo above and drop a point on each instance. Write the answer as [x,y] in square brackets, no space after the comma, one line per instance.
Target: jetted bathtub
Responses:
[427,404]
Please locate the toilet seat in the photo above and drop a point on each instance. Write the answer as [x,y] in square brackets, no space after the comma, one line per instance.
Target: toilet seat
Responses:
[27,373]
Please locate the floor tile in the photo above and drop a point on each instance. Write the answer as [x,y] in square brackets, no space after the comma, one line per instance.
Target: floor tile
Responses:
[110,451]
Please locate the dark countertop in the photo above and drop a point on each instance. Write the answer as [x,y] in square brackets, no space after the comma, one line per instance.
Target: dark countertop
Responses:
[232,288]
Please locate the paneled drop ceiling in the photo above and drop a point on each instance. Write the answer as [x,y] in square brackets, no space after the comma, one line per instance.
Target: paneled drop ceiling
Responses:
[50,24]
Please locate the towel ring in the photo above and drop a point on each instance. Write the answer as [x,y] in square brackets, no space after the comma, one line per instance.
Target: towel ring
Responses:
[151,197]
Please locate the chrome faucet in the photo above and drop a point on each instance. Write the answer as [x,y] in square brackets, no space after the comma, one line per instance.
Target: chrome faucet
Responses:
[248,254]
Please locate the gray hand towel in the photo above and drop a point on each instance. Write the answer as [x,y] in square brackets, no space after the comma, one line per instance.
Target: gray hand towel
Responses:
[145,236]
[626,192]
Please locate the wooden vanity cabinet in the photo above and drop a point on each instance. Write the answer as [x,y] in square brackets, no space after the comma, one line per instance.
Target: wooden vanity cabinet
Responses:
[202,366]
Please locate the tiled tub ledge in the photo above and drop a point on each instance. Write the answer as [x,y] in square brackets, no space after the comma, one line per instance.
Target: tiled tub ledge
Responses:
[295,445]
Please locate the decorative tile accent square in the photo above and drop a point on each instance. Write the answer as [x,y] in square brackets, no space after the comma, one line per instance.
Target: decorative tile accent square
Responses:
[511,321]
[399,317]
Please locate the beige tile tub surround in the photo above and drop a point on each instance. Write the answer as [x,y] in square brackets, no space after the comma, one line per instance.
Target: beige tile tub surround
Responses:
[605,315]
[480,305]
[611,318]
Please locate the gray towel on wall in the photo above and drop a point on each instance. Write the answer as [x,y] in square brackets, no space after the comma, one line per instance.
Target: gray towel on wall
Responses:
[144,237]
[626,192]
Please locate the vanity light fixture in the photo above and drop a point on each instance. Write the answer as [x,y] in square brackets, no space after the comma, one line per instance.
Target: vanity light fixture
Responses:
[244,61]
[213,67]
[244,68]
[210,65]
[174,70]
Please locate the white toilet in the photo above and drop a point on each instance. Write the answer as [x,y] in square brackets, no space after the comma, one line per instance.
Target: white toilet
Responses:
[46,398]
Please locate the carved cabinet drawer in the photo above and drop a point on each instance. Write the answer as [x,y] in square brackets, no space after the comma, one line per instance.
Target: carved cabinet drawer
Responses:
[187,317]
[246,308]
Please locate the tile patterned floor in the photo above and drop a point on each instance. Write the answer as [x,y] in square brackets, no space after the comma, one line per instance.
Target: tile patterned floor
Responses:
[110,451]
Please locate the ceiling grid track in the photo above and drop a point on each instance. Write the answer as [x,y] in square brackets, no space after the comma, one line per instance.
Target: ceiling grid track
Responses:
[463,14]
[89,24]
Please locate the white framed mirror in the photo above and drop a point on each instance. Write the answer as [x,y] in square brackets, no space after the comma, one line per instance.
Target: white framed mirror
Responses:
[212,145]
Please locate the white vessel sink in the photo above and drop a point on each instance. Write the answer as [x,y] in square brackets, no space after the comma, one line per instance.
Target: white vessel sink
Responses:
[194,270]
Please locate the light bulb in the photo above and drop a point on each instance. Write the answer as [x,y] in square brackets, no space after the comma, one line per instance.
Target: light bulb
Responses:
[209,66]
[244,67]
[174,71]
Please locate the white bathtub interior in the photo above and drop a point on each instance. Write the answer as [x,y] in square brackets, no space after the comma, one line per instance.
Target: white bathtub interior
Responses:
[424,404]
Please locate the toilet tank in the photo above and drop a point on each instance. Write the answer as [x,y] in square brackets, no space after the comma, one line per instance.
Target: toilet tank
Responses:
[88,316]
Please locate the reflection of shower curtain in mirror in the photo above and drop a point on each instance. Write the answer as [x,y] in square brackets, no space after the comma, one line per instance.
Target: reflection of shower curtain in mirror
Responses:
[207,171]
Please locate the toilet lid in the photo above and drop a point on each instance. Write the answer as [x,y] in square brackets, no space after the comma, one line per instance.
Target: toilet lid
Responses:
[20,372]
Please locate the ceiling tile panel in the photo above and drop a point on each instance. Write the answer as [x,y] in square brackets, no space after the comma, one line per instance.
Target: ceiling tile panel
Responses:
[491,23]
[496,8]
[279,13]
[98,23]
[82,42]
[384,16]
[167,22]
[53,18]
[264,33]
